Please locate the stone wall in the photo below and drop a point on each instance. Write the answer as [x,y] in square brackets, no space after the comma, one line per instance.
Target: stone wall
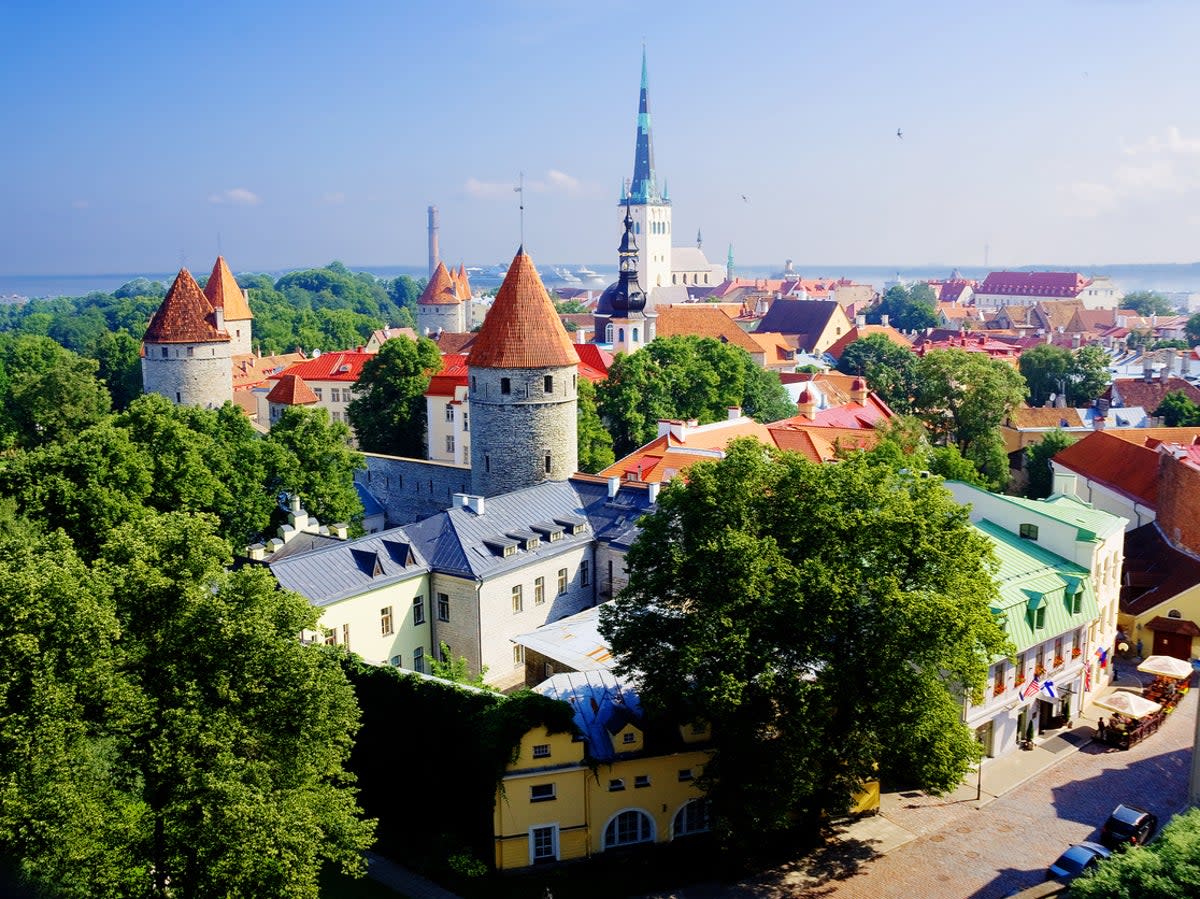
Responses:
[1179,501]
[526,435]
[412,489]
[432,317]
[204,378]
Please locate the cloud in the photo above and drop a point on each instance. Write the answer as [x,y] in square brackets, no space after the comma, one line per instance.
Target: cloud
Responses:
[333,198]
[1174,143]
[235,196]
[1159,167]
[554,182]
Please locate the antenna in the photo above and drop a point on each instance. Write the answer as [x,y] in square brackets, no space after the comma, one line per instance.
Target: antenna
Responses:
[521,190]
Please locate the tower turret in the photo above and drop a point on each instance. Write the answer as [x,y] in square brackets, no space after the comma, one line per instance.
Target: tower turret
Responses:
[187,351]
[523,372]
[223,293]
[440,307]
[628,300]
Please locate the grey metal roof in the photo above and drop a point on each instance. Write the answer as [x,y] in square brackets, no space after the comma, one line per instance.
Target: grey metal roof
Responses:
[351,567]
[597,698]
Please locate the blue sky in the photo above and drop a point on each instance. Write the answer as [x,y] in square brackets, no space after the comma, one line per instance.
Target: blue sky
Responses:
[1055,131]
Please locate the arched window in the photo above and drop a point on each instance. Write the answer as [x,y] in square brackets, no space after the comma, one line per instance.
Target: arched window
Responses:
[628,828]
[621,335]
[635,335]
[693,817]
[608,333]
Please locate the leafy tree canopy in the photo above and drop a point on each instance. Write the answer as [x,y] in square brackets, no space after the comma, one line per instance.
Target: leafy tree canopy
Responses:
[907,308]
[1193,329]
[1167,868]
[1037,462]
[1080,375]
[1176,410]
[1147,302]
[888,367]
[823,618]
[595,443]
[388,409]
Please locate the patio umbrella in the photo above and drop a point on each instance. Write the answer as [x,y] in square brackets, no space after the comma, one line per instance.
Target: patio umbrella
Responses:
[1166,666]
[1128,704]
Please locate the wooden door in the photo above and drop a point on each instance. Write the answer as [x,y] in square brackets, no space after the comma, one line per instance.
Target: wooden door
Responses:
[1178,646]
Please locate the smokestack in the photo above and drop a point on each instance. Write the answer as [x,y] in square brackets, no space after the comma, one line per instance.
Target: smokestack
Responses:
[433,239]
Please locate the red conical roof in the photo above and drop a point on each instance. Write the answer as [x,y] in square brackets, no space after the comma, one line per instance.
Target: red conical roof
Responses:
[463,282]
[223,293]
[185,316]
[440,291]
[291,391]
[522,329]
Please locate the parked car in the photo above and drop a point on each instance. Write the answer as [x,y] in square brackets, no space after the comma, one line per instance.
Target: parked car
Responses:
[1128,826]
[1079,858]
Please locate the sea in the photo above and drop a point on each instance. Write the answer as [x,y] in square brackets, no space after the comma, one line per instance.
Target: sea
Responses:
[1181,278]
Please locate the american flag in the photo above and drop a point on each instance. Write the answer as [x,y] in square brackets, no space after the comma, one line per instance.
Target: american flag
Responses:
[1032,690]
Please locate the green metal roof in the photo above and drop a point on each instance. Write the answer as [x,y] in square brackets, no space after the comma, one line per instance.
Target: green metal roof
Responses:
[1089,520]
[1029,576]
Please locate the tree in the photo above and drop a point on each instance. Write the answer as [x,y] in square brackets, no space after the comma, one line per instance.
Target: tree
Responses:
[1147,302]
[908,310]
[118,355]
[1044,368]
[963,397]
[388,409]
[595,443]
[825,619]
[323,464]
[888,368]
[1037,462]
[1176,410]
[192,745]
[456,670]
[1167,868]
[1193,329]
[51,392]
[1087,375]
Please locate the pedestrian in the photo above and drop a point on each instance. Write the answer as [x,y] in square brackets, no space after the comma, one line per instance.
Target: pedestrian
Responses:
[1101,728]
[1139,647]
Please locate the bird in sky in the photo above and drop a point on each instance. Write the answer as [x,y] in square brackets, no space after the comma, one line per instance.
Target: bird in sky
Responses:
[745,198]
[899,134]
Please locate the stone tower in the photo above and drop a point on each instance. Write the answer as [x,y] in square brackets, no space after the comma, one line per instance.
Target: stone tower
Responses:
[523,372]
[223,293]
[649,207]
[628,300]
[440,307]
[187,351]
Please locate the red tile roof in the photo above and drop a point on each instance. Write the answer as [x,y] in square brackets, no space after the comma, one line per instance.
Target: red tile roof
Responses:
[522,329]
[451,342]
[185,316]
[1121,465]
[223,293]
[250,370]
[453,374]
[1136,392]
[441,289]
[463,283]
[856,333]
[594,362]
[702,320]
[290,390]
[340,366]
[1034,284]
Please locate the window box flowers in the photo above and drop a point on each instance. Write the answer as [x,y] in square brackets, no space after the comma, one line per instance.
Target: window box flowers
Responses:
[1039,670]
[1020,679]
[1076,652]
[999,688]
[1058,661]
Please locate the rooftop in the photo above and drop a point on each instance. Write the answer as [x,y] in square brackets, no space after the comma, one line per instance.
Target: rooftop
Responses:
[185,315]
[223,292]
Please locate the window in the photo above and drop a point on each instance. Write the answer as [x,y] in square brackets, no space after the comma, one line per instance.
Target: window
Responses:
[419,660]
[518,655]
[443,607]
[449,413]
[627,828]
[1077,603]
[385,621]
[543,844]
[1029,531]
[541,751]
[584,573]
[1039,617]
[346,635]
[541,792]
[506,385]
[608,335]
[562,581]
[449,443]
[642,780]
[335,394]
[616,785]
[628,737]
[487,462]
[635,335]
[547,463]
[685,774]
[191,351]
[331,636]
[319,392]
[418,610]
[518,598]
[692,818]
[465,415]
[539,591]
[548,383]
[396,662]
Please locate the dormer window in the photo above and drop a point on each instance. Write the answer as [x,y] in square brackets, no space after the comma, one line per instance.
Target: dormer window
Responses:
[1076,603]
[1029,531]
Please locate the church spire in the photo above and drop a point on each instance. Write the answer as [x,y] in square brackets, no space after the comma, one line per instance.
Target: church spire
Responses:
[629,299]
[729,265]
[644,188]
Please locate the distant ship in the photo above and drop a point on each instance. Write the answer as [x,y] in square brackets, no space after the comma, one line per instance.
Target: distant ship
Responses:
[588,276]
[565,275]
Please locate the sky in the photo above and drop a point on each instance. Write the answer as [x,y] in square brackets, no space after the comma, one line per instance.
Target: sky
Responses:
[145,133]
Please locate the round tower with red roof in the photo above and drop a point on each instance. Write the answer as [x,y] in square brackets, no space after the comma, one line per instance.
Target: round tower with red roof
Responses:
[441,306]
[223,292]
[187,352]
[524,373]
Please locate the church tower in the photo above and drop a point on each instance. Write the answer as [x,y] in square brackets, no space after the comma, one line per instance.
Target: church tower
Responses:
[223,293]
[524,373]
[649,207]
[629,323]
[187,351]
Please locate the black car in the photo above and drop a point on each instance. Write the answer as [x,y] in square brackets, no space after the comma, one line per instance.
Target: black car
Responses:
[1079,858]
[1128,826]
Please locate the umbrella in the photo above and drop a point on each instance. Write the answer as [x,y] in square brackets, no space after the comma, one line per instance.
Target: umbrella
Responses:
[1166,666]
[1128,704]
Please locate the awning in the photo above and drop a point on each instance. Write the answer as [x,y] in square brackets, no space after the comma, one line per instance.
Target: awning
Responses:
[1174,626]
[1166,666]
[1128,704]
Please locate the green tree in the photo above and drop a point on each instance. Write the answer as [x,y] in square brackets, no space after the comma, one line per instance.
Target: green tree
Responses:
[322,464]
[1167,868]
[964,397]
[457,670]
[51,392]
[823,618]
[1147,302]
[1037,462]
[888,368]
[118,355]
[1044,368]
[1088,375]
[1193,329]
[388,409]
[906,309]
[1176,410]
[595,443]
[569,307]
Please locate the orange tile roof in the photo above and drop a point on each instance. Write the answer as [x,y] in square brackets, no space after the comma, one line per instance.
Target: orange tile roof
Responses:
[702,320]
[249,369]
[441,289]
[666,456]
[522,329]
[291,391]
[452,374]
[223,293]
[1027,417]
[820,444]
[185,316]
[856,332]
[1117,463]
[344,366]
[463,283]
[1152,437]
[454,341]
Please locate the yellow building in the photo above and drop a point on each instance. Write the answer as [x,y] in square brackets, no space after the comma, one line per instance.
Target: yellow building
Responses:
[612,784]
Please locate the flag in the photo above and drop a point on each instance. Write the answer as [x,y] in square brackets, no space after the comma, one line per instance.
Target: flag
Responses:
[1034,686]
[1102,654]
[1087,678]
[1048,686]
